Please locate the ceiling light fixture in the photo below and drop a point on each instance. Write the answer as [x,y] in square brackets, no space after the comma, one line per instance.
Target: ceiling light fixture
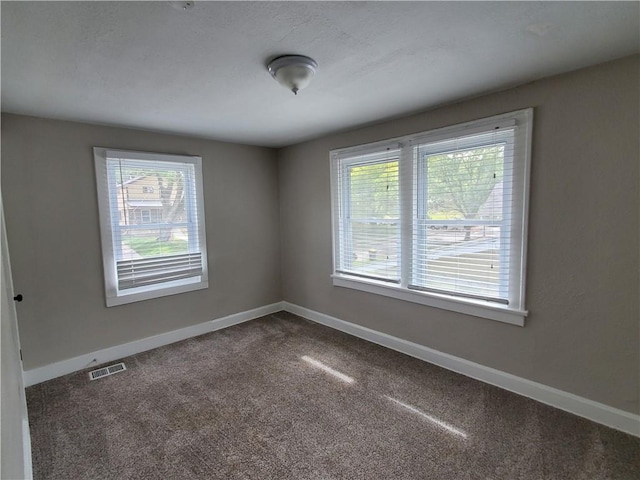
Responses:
[183,5]
[293,72]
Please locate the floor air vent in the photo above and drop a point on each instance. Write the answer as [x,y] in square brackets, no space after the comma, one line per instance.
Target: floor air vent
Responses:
[106,371]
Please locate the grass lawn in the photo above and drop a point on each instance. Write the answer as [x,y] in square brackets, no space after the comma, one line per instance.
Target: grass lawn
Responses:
[151,247]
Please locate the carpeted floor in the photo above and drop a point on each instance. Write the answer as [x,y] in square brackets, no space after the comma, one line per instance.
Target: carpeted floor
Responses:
[283,398]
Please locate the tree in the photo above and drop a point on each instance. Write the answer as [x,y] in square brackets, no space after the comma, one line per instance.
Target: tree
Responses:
[374,190]
[459,183]
[171,187]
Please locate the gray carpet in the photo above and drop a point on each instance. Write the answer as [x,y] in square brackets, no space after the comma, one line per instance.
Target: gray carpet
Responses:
[283,398]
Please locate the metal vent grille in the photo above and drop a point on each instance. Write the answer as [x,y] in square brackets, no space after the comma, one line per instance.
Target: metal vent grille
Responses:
[106,371]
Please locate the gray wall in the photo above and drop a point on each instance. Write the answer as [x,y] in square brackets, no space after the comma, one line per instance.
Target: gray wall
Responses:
[49,190]
[582,280]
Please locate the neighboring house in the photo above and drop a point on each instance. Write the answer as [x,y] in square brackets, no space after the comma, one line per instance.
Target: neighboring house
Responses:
[139,201]
[491,209]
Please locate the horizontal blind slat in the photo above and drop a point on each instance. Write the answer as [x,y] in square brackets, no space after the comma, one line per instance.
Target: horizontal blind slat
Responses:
[141,282]
[160,260]
[145,271]
[460,294]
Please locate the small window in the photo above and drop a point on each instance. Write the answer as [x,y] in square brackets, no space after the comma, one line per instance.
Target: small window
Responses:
[438,218]
[155,246]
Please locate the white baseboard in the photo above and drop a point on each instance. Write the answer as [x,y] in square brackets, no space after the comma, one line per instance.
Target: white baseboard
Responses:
[54,370]
[583,407]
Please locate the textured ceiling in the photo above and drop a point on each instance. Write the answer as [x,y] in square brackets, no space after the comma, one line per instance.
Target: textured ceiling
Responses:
[202,71]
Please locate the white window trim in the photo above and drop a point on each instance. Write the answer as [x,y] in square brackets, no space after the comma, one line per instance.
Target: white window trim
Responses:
[476,308]
[113,296]
[514,313]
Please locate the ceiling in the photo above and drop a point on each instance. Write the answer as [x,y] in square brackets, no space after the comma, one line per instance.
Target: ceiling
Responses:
[202,71]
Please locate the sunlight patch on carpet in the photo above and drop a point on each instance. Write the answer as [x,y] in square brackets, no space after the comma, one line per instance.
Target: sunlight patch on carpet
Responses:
[433,420]
[328,369]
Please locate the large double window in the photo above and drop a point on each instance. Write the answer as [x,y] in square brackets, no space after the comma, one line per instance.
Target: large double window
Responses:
[152,224]
[438,218]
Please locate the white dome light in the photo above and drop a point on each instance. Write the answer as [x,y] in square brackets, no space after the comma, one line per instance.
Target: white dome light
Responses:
[293,72]
[183,5]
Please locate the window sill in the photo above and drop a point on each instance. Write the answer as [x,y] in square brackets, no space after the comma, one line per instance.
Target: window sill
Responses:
[475,308]
[147,293]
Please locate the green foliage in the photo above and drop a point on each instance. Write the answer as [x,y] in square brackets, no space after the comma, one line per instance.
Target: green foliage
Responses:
[461,182]
[444,215]
[152,247]
[374,190]
[458,184]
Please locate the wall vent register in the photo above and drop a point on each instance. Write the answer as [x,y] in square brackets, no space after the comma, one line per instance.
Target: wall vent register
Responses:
[106,371]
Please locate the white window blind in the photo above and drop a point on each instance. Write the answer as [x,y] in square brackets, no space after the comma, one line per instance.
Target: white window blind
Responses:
[462,206]
[135,272]
[368,212]
[152,224]
[438,217]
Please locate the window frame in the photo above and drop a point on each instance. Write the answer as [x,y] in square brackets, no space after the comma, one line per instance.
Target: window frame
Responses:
[420,185]
[345,243]
[113,295]
[514,312]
